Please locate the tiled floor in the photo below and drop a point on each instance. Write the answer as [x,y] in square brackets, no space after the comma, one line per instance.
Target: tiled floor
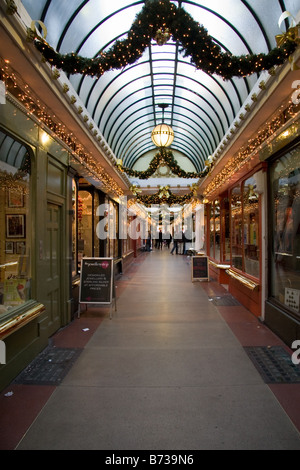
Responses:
[20,405]
[251,332]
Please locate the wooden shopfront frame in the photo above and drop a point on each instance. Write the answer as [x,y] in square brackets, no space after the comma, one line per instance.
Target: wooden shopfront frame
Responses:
[245,287]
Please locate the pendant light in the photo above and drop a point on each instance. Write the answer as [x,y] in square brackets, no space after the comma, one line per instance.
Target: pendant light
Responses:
[162,135]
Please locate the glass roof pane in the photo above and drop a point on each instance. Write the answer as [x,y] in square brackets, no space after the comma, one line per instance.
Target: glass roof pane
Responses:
[12,153]
[269,16]
[121,118]
[35,9]
[166,51]
[228,13]
[57,16]
[93,14]
[114,95]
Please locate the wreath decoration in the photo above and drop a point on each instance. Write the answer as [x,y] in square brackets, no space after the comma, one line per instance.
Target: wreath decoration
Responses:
[163,156]
[161,15]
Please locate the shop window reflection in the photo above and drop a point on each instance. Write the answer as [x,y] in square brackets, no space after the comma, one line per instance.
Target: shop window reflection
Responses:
[236,227]
[74,227]
[113,229]
[15,223]
[85,225]
[250,227]
[212,231]
[96,219]
[225,230]
[215,231]
[285,199]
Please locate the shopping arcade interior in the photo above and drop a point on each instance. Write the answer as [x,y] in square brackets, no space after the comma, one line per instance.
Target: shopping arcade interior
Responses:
[114,118]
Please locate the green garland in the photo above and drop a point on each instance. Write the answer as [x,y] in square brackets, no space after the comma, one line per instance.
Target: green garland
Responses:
[163,156]
[204,53]
[171,199]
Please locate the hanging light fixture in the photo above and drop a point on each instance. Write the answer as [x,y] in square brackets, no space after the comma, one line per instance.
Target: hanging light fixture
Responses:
[162,135]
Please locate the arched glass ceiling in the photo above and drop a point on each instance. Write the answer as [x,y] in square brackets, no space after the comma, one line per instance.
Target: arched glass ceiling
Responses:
[12,153]
[124,103]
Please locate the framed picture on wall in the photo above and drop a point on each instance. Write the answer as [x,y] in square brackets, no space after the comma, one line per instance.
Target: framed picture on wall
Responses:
[15,197]
[9,247]
[15,226]
[20,248]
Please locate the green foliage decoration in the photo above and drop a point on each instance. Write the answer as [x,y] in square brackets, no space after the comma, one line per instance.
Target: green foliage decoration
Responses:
[162,157]
[163,198]
[194,39]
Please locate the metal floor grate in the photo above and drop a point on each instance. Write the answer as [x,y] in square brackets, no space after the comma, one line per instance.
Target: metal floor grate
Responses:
[225,300]
[49,367]
[274,364]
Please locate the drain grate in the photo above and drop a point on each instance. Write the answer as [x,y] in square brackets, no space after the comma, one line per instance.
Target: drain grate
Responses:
[49,367]
[274,364]
[225,300]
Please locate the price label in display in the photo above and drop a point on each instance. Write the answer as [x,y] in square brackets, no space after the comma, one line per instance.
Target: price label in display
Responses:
[291,298]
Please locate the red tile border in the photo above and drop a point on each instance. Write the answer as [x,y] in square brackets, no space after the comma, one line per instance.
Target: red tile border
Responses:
[288,396]
[79,332]
[18,411]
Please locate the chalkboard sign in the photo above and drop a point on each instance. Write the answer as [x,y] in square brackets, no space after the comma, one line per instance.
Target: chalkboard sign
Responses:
[96,281]
[199,268]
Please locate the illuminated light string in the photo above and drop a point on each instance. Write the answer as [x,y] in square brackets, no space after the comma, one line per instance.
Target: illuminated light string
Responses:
[166,197]
[196,43]
[194,39]
[254,145]
[162,157]
[35,108]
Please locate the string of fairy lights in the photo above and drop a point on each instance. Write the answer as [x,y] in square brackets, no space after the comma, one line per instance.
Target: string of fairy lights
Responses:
[204,53]
[162,157]
[165,196]
[266,133]
[34,107]
[162,15]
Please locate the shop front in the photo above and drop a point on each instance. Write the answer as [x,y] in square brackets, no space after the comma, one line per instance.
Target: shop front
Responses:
[33,239]
[252,209]
[49,214]
[283,303]
[234,235]
[96,230]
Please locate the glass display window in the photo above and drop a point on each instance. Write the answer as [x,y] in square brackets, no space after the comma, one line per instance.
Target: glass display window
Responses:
[127,243]
[236,228]
[225,230]
[74,227]
[85,224]
[113,229]
[285,234]
[215,230]
[96,240]
[15,224]
[86,214]
[251,227]
[245,226]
